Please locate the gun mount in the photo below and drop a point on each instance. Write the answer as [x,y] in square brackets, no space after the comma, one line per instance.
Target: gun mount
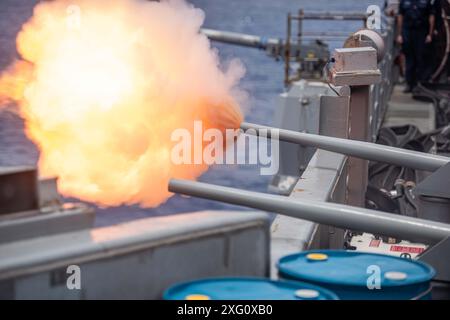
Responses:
[301,60]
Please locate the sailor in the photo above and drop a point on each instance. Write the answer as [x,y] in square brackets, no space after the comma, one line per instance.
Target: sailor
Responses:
[416,25]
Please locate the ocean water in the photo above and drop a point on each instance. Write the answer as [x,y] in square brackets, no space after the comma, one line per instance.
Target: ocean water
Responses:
[263,82]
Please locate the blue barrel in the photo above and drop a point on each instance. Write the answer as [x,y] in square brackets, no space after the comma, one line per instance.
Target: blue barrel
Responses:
[246,289]
[360,276]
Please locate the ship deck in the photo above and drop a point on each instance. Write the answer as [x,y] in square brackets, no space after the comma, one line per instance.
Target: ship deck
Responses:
[403,110]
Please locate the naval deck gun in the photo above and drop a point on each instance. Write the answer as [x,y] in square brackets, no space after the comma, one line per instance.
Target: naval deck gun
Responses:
[301,60]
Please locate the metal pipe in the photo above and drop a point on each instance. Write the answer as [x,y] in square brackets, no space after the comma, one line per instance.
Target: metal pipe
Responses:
[332,16]
[326,34]
[300,26]
[332,214]
[360,149]
[287,50]
[327,38]
[240,39]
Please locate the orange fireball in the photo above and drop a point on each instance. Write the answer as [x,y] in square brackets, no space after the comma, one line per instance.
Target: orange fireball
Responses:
[101,86]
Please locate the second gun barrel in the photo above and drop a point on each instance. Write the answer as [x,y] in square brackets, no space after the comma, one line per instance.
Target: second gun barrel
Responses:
[360,149]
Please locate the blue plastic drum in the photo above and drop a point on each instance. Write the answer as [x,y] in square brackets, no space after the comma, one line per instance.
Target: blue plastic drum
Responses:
[246,289]
[360,276]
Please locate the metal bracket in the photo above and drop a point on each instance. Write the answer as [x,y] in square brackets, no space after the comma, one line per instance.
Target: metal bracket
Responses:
[355,67]
[438,256]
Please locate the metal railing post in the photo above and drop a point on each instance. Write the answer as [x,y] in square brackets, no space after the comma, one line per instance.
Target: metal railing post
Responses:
[358,69]
[358,129]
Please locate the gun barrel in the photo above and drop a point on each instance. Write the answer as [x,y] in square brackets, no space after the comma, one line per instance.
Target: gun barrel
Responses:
[359,149]
[341,216]
[240,39]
